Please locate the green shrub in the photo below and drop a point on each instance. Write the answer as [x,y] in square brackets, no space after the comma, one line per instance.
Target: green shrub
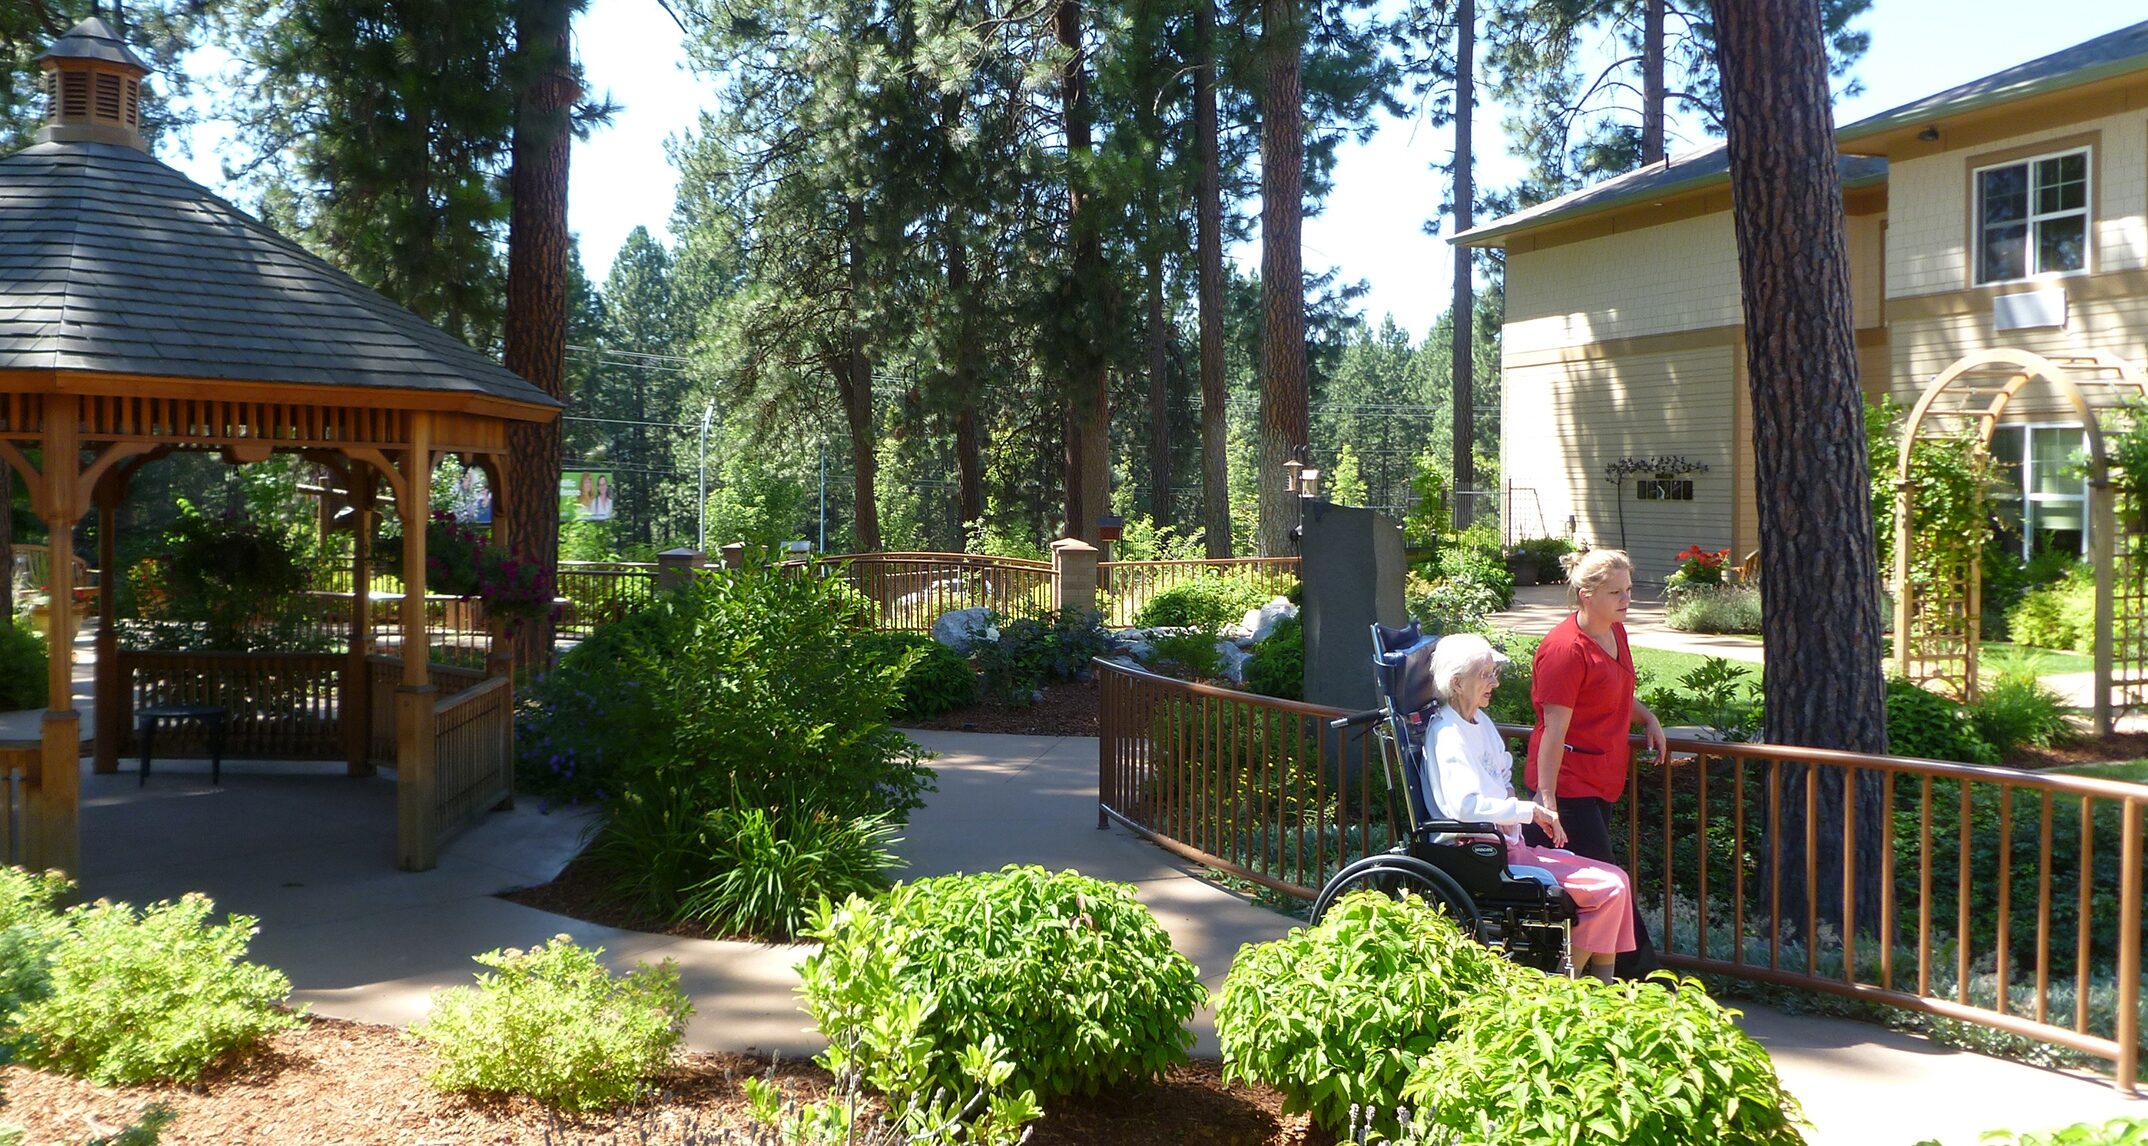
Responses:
[1070,975]
[1277,666]
[1340,1014]
[1562,1061]
[24,660]
[1210,601]
[553,1024]
[1016,658]
[1476,558]
[1193,654]
[2060,615]
[936,679]
[1545,552]
[2116,1132]
[983,1114]
[770,871]
[1715,609]
[159,995]
[1456,604]
[30,928]
[1924,724]
[1717,694]
[746,690]
[2017,709]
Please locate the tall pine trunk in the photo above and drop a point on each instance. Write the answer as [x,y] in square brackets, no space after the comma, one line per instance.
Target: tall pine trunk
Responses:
[855,388]
[1159,396]
[1283,399]
[1208,215]
[1465,287]
[536,320]
[1821,622]
[1088,422]
[1652,87]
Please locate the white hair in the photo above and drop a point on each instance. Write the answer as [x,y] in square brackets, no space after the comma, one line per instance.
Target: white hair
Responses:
[1459,655]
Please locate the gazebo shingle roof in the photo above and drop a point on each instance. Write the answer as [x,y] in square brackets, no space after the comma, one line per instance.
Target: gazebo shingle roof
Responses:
[111,262]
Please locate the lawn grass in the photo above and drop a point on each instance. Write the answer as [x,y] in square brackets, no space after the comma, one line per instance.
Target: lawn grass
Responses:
[1653,666]
[2131,771]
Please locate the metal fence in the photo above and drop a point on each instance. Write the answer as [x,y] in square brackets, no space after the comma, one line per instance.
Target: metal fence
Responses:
[2004,899]
[1127,586]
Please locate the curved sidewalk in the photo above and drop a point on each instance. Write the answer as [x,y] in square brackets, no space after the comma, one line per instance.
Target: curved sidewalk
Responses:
[311,853]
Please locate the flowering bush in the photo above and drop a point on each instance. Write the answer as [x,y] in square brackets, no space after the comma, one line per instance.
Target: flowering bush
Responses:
[1697,567]
[460,562]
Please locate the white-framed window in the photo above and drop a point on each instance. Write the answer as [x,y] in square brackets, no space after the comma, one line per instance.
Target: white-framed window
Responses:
[2041,497]
[2032,217]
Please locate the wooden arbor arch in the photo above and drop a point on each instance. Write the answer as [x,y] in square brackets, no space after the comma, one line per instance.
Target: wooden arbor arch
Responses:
[1937,627]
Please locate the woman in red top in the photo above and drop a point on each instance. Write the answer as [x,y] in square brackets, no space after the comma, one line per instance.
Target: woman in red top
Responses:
[1582,685]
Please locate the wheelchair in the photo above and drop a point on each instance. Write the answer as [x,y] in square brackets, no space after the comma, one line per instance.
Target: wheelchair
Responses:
[1518,910]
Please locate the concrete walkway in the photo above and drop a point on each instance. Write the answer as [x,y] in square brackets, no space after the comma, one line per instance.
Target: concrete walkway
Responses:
[1537,608]
[311,853]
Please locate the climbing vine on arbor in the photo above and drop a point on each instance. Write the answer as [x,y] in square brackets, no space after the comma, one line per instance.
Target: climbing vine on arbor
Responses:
[1950,482]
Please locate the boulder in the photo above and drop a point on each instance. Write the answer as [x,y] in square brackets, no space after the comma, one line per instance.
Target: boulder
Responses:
[959,629]
[1258,623]
[1234,661]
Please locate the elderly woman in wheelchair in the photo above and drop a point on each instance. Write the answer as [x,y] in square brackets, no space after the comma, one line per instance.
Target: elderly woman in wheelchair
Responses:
[1471,778]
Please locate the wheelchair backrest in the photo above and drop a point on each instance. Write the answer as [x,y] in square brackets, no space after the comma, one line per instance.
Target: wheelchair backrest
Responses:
[1402,667]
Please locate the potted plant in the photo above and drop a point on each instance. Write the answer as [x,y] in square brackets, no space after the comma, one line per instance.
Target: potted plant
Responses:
[1697,569]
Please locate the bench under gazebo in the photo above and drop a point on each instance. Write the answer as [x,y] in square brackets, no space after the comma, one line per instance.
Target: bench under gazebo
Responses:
[142,315]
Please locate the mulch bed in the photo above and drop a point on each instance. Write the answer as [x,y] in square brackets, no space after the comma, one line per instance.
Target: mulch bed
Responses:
[337,1082]
[1068,709]
[2086,750]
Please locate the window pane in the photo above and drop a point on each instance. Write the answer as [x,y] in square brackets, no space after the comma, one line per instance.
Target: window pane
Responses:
[2006,445]
[2052,198]
[2057,452]
[2061,243]
[2005,194]
[2005,253]
[2066,175]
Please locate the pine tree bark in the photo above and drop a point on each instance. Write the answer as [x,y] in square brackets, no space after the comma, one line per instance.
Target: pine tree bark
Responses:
[855,389]
[1208,216]
[1821,622]
[1465,287]
[1284,416]
[536,321]
[1652,89]
[1159,397]
[1088,409]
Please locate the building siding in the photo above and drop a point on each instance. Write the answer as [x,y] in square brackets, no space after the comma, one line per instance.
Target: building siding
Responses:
[1676,277]
[1567,420]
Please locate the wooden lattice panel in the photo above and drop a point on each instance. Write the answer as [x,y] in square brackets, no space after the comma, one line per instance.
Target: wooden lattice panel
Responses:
[203,422]
[1942,630]
[2129,622]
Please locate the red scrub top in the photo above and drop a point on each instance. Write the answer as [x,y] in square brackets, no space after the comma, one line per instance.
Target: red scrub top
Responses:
[1573,671]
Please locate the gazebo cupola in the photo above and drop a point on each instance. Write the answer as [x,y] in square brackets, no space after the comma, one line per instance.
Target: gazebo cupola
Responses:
[93,88]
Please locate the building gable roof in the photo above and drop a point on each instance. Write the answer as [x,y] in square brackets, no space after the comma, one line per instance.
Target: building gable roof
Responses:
[2113,54]
[111,262]
[1653,182]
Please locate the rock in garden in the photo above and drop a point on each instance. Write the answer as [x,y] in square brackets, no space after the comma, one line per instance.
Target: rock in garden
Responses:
[958,629]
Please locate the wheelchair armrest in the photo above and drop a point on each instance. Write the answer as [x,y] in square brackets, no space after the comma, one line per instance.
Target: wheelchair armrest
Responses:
[1461,828]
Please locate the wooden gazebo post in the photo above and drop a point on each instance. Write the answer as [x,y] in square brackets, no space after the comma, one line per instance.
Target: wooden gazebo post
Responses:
[415,741]
[53,817]
[357,698]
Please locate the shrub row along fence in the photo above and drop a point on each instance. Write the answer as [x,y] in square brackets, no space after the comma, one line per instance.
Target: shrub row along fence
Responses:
[908,592]
[2007,900]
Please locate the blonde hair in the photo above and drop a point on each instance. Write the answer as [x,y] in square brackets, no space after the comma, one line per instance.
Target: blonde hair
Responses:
[1585,571]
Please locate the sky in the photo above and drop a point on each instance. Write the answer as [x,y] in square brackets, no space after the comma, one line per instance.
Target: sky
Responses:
[1371,226]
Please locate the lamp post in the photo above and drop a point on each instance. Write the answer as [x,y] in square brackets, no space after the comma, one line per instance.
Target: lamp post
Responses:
[701,518]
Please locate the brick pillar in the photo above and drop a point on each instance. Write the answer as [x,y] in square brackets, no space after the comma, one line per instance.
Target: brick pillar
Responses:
[677,568]
[734,555]
[1074,574]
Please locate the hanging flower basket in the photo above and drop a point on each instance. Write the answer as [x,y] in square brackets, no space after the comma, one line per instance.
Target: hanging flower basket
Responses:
[460,562]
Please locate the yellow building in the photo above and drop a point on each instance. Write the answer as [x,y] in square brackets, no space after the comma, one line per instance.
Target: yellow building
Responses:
[2009,211]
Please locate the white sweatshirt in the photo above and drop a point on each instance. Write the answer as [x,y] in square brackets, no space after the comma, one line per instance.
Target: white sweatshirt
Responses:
[1472,773]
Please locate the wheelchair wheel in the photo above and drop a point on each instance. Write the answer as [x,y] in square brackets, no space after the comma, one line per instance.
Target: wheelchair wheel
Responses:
[1392,875]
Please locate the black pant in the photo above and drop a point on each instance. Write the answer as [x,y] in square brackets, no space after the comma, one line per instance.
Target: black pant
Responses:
[1587,821]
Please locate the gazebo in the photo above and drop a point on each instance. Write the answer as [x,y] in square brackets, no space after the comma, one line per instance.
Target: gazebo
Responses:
[140,315]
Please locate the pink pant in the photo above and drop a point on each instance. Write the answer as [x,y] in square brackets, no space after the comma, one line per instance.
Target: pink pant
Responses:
[1599,890]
